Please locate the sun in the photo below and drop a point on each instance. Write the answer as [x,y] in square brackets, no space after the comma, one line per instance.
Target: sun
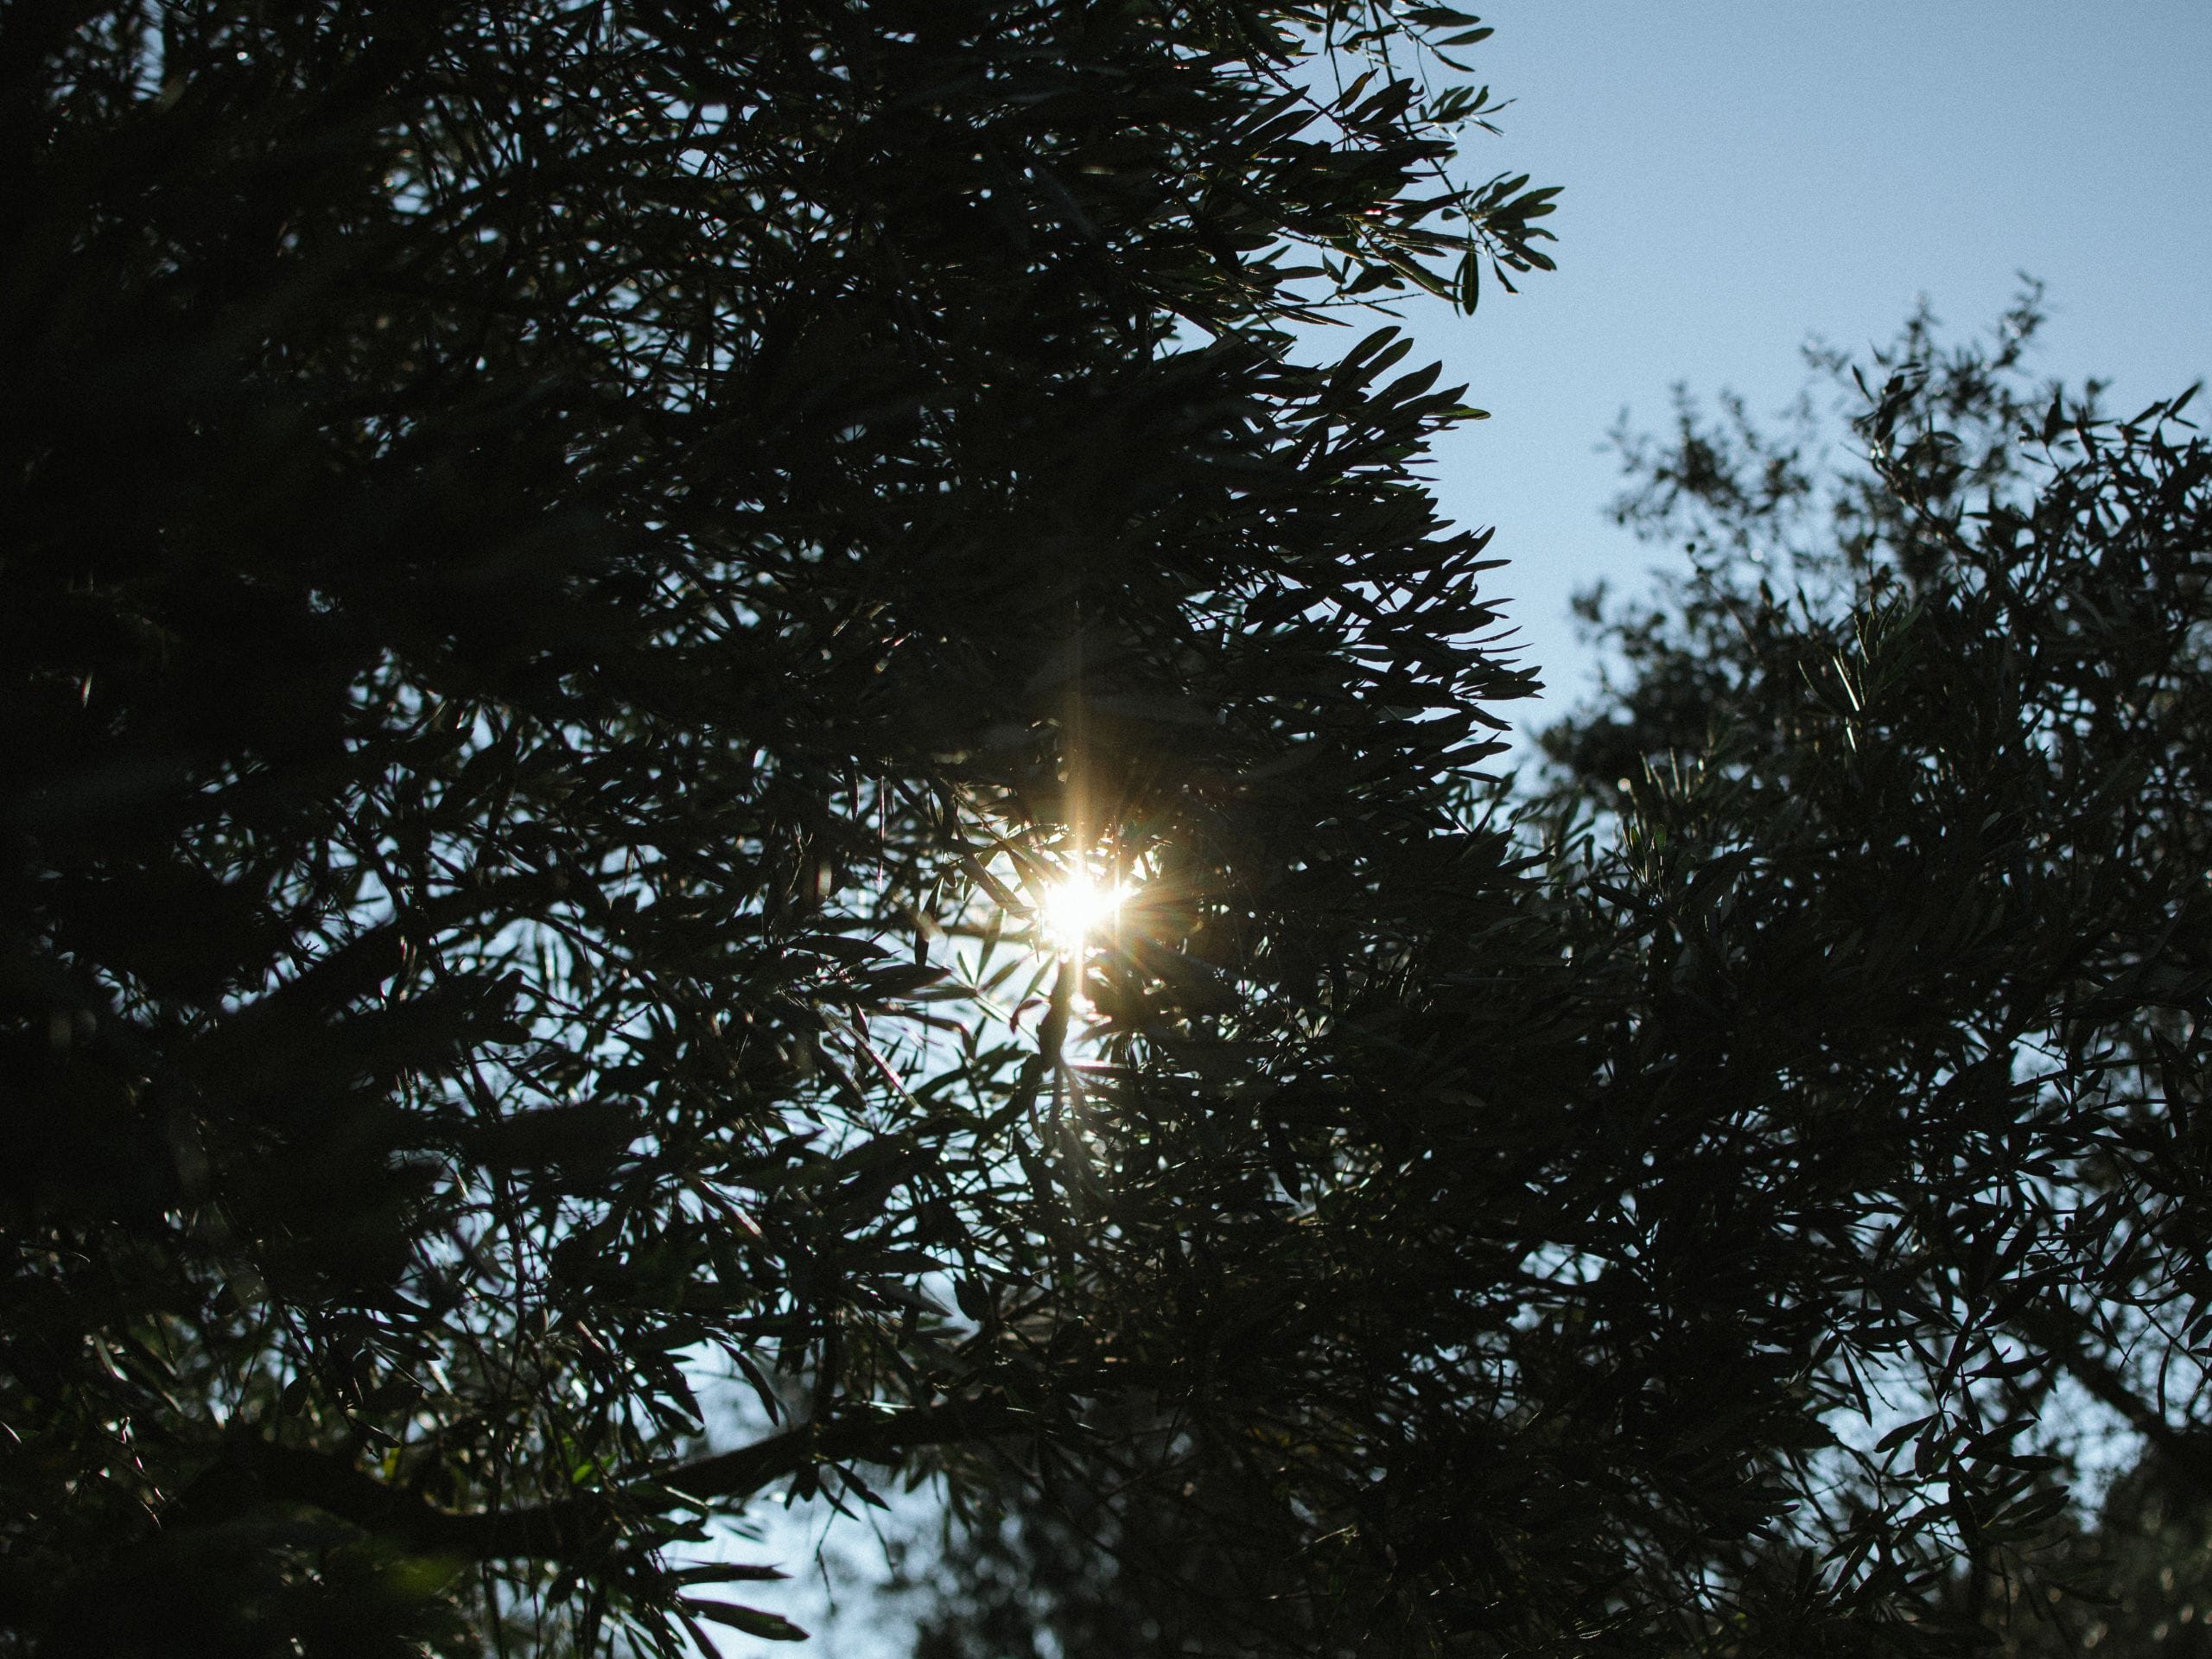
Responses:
[1077,908]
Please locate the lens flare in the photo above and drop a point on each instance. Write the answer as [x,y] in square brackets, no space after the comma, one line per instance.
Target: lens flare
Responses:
[1076,910]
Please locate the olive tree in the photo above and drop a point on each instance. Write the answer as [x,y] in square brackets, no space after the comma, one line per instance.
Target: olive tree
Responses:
[1766,1229]
[578,575]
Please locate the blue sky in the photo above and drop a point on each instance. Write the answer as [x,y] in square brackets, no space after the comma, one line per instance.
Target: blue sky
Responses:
[1740,176]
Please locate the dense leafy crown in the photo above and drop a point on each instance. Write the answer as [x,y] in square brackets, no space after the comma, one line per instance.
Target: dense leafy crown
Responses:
[573,570]
[1787,1234]
[1908,788]
[580,575]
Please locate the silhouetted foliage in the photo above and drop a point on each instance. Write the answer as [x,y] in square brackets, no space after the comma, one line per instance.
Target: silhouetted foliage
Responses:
[1910,781]
[1758,1274]
[573,569]
[578,576]
[1764,1266]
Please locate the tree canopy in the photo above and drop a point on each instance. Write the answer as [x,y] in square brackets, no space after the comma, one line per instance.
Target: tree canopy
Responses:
[1804,1252]
[587,581]
[1909,780]
[576,571]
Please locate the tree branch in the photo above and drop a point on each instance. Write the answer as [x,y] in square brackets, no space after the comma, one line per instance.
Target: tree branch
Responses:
[2060,1336]
[583,1525]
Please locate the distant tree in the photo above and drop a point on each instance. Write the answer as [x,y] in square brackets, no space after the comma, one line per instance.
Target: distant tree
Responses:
[1747,1240]
[1910,777]
[576,575]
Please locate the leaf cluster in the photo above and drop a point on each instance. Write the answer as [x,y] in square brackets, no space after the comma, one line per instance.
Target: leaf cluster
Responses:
[1753,1232]
[572,567]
